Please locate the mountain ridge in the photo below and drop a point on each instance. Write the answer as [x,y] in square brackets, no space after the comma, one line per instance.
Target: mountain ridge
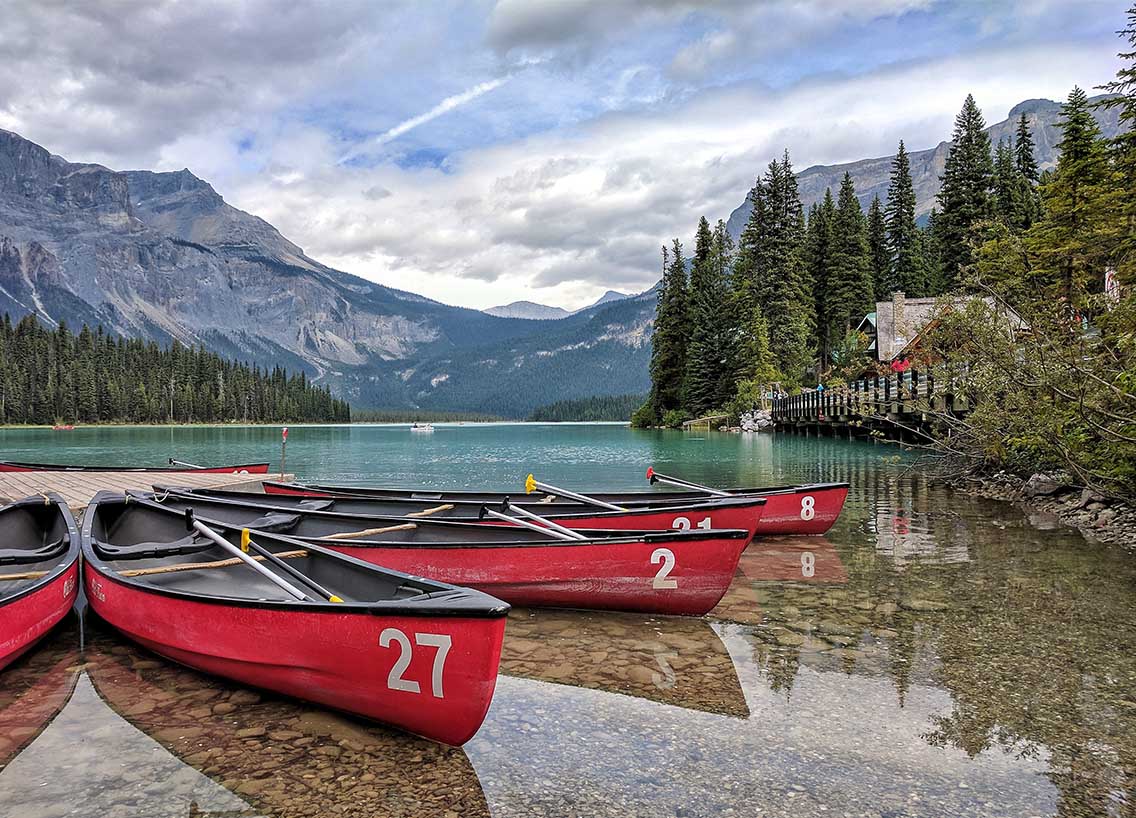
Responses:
[163,256]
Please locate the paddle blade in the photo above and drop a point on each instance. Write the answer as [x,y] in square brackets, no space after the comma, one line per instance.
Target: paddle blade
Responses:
[530,484]
[650,474]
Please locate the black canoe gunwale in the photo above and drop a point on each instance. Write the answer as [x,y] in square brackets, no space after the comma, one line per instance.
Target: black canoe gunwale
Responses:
[707,504]
[235,469]
[453,601]
[632,496]
[615,536]
[64,562]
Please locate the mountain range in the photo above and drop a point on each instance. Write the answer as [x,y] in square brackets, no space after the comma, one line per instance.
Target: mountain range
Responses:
[872,176]
[542,312]
[163,256]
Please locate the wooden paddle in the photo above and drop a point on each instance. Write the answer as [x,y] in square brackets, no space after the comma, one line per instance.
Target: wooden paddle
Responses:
[427,512]
[193,566]
[367,532]
[25,575]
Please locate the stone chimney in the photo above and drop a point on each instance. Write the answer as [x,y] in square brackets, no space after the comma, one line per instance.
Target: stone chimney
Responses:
[898,322]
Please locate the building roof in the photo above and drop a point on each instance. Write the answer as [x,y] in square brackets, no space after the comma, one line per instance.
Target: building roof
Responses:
[891,340]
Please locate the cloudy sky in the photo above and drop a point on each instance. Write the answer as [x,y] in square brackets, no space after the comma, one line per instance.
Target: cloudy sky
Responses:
[483,152]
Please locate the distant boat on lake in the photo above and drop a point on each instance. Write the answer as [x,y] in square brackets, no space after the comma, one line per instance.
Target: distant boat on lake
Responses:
[421,427]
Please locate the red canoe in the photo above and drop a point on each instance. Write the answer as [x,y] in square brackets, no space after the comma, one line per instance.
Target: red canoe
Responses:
[807,509]
[244,468]
[38,571]
[662,572]
[414,653]
[705,514]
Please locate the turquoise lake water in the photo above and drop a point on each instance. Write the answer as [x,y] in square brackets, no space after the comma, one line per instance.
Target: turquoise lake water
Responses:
[932,655]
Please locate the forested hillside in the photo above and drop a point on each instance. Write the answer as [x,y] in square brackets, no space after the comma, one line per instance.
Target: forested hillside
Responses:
[55,376]
[600,407]
[781,309]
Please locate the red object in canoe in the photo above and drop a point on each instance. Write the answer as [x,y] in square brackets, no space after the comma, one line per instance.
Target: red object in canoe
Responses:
[40,540]
[418,654]
[662,572]
[245,468]
[806,509]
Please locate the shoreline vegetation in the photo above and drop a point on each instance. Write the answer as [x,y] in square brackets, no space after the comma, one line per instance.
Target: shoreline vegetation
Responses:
[1034,273]
[53,376]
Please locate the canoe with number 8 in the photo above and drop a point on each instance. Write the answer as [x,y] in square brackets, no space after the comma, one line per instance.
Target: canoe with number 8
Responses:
[414,653]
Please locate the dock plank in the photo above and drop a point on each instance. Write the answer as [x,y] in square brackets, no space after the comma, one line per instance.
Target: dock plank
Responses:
[77,488]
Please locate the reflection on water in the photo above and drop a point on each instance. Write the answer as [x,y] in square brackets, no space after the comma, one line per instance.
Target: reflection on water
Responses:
[933,655]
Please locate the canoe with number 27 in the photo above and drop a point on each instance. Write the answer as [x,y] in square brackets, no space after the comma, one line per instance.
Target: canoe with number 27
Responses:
[414,653]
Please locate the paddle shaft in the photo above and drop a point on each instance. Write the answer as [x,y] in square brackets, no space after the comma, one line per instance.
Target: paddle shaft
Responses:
[196,566]
[294,572]
[575,535]
[367,532]
[686,484]
[25,575]
[183,463]
[225,545]
[533,526]
[571,495]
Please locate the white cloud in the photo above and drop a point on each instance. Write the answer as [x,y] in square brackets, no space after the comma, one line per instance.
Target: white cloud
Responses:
[562,216]
[446,105]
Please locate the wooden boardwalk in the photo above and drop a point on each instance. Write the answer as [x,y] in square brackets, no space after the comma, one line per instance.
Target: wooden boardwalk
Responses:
[77,487]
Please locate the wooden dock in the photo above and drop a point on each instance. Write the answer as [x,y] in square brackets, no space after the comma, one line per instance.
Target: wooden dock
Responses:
[899,406]
[78,487]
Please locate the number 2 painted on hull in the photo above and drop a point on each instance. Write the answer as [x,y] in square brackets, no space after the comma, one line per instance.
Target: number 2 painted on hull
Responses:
[662,580]
[808,507]
[439,641]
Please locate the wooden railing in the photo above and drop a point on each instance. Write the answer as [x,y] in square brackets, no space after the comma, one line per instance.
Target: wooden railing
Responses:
[895,394]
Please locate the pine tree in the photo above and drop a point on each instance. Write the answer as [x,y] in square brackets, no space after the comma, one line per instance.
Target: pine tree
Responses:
[907,271]
[849,275]
[1070,257]
[1024,151]
[965,193]
[706,354]
[1123,150]
[668,353]
[818,251]
[878,255]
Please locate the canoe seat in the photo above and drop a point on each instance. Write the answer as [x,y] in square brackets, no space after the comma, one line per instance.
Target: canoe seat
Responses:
[189,544]
[18,556]
[276,522]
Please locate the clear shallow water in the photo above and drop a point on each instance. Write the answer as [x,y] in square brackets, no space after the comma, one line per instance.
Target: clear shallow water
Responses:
[932,655]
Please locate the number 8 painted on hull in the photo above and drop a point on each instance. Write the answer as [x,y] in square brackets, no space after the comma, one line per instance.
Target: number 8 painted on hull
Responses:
[808,507]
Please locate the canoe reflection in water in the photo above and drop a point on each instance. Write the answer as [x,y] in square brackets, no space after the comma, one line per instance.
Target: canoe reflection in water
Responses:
[772,562]
[35,689]
[680,662]
[279,755]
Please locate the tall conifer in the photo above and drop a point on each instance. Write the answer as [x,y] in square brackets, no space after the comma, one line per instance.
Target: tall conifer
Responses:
[877,250]
[907,266]
[965,194]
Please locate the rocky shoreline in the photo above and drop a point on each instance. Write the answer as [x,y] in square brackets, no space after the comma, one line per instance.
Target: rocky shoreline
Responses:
[1097,517]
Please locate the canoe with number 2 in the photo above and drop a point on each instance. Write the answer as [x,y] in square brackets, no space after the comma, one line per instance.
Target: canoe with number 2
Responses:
[295,618]
[39,557]
[662,572]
